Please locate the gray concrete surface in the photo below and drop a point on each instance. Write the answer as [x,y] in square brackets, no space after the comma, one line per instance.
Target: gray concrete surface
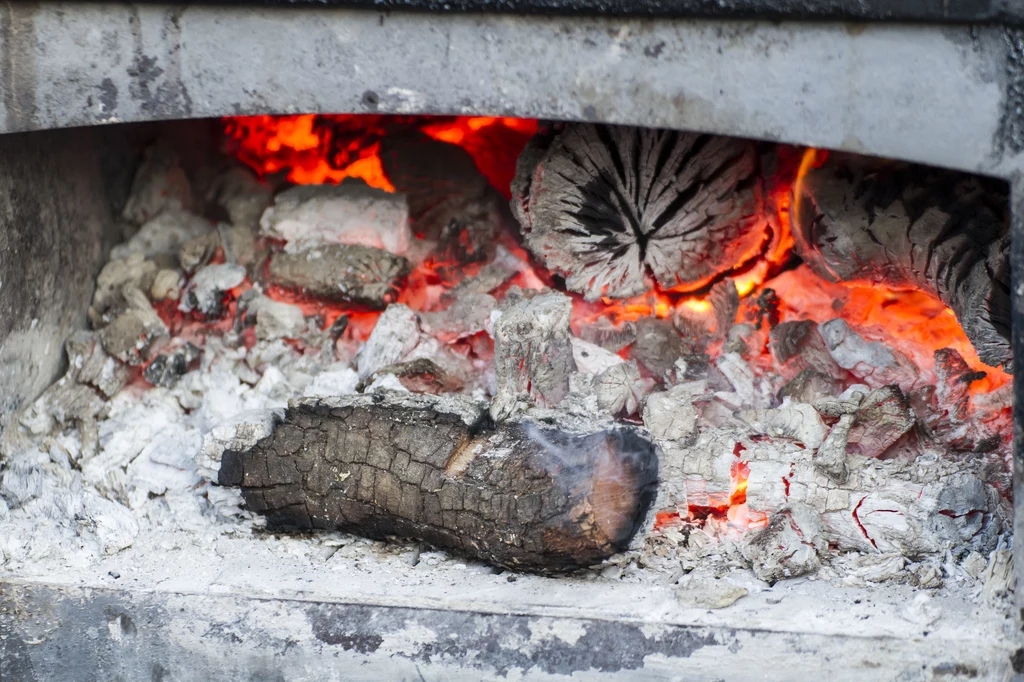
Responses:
[54,216]
[938,95]
[56,632]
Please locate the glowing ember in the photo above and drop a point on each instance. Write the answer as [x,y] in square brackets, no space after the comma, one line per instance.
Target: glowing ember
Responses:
[314,149]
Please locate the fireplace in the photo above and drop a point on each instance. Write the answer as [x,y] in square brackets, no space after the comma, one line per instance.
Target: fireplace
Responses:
[693,354]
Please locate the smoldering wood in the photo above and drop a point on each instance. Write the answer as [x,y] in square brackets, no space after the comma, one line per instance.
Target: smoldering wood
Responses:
[345,273]
[450,201]
[607,206]
[658,345]
[908,506]
[904,226]
[423,375]
[798,346]
[520,495]
[950,419]
[533,356]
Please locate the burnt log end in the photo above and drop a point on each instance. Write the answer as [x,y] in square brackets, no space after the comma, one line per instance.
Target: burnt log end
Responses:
[518,495]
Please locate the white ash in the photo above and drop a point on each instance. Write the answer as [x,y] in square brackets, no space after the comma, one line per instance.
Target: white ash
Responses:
[872,362]
[350,213]
[160,183]
[132,271]
[395,335]
[276,320]
[164,234]
[166,285]
[205,291]
[241,195]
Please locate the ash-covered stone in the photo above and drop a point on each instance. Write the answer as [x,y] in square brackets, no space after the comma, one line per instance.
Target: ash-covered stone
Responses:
[591,358]
[89,364]
[502,268]
[671,415]
[344,273]
[353,213]
[658,345]
[809,386]
[797,421]
[798,347]
[610,336]
[276,320]
[422,376]
[883,417]
[394,336]
[872,362]
[469,313]
[241,196]
[205,292]
[620,389]
[198,251]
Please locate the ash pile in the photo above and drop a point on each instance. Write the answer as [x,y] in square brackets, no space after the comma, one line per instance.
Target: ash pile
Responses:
[657,365]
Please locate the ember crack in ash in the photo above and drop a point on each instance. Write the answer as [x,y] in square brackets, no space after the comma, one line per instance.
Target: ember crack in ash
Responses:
[805,392]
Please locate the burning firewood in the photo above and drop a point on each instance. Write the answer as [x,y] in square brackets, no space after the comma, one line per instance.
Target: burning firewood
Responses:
[517,495]
[533,355]
[450,201]
[607,206]
[902,227]
[345,273]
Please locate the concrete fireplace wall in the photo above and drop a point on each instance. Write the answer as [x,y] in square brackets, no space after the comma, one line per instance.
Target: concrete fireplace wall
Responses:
[945,95]
[54,223]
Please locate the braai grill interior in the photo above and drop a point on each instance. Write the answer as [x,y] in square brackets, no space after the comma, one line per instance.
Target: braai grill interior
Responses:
[681,345]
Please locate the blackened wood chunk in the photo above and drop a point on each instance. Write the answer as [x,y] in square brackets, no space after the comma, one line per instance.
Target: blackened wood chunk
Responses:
[897,225]
[798,346]
[450,201]
[608,206]
[517,495]
[658,345]
[346,273]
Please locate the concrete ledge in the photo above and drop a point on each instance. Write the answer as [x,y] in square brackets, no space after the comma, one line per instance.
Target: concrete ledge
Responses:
[938,95]
[56,632]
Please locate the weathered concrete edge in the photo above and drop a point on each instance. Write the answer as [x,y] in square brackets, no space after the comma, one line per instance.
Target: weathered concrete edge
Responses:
[54,226]
[782,10]
[51,632]
[829,85]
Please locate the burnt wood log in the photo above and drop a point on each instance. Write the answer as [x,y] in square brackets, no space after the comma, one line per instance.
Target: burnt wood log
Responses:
[904,226]
[608,207]
[519,495]
[346,273]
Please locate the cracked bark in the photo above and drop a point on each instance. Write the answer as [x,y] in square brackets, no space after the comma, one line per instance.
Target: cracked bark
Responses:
[519,495]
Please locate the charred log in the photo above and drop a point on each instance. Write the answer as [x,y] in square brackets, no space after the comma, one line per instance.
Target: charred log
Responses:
[606,207]
[346,273]
[900,226]
[520,496]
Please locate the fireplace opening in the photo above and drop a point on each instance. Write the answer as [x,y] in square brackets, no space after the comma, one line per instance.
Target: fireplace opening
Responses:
[504,347]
